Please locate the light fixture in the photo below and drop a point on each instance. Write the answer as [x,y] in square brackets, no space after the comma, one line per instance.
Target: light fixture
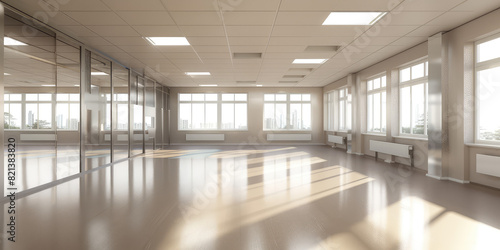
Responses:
[168,41]
[7,41]
[197,73]
[309,61]
[98,74]
[6,74]
[258,85]
[353,18]
[76,85]
[48,85]
[208,85]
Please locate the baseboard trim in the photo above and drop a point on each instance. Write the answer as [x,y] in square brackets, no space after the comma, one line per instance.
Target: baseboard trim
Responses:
[247,144]
[448,179]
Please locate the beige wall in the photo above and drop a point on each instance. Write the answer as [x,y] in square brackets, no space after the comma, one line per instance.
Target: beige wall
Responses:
[459,161]
[255,133]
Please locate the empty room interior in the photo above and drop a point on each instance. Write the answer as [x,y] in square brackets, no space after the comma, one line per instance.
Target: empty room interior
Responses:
[250,124]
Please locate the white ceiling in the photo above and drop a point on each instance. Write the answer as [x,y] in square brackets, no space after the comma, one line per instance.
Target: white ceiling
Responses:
[280,29]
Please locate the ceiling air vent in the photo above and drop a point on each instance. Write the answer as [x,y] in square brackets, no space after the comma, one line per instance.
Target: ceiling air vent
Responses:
[247,55]
[322,48]
[294,76]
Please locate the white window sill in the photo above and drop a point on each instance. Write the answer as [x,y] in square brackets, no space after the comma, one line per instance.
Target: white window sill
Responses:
[478,145]
[374,134]
[284,131]
[214,131]
[411,138]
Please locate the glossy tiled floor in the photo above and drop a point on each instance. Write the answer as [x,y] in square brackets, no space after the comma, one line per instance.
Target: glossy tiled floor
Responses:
[257,198]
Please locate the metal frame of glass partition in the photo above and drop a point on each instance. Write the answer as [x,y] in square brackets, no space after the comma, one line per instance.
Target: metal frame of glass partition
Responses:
[99,108]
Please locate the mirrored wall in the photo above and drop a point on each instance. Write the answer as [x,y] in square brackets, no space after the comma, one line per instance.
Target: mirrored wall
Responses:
[70,109]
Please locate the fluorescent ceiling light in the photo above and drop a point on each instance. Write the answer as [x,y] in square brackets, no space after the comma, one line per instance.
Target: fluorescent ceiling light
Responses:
[198,73]
[98,74]
[168,41]
[208,85]
[76,85]
[353,18]
[6,74]
[48,85]
[258,85]
[309,61]
[12,42]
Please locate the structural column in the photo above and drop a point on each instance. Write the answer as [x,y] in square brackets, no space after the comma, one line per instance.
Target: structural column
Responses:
[437,108]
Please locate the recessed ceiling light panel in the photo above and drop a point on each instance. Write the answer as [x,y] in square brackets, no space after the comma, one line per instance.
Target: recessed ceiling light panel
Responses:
[208,85]
[353,18]
[168,41]
[309,61]
[98,74]
[198,73]
[7,41]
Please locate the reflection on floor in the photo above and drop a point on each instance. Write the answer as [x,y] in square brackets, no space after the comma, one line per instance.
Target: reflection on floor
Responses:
[257,198]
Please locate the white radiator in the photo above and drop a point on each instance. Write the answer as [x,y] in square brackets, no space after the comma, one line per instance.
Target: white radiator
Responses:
[336,139]
[390,148]
[289,137]
[37,137]
[205,137]
[487,164]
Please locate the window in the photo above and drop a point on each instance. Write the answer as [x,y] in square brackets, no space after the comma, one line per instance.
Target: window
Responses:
[413,99]
[200,111]
[287,112]
[376,105]
[234,111]
[338,110]
[487,68]
[67,111]
[37,110]
[345,109]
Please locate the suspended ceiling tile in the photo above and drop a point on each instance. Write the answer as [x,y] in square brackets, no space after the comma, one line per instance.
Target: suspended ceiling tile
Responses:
[207,41]
[191,5]
[248,49]
[196,18]
[87,5]
[213,49]
[249,18]
[430,5]
[78,30]
[249,30]
[482,8]
[159,31]
[134,5]
[408,18]
[323,41]
[114,31]
[146,17]
[122,41]
[352,5]
[301,18]
[308,30]
[203,30]
[96,18]
[254,41]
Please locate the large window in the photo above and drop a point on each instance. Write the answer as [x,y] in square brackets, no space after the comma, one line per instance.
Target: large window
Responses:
[287,112]
[376,105]
[68,111]
[199,111]
[345,109]
[413,99]
[487,69]
[338,110]
[28,111]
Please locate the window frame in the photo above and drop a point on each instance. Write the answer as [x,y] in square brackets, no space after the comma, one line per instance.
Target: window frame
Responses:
[410,83]
[372,92]
[347,99]
[480,66]
[219,103]
[288,103]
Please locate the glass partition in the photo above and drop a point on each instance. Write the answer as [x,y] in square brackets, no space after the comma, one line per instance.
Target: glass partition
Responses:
[30,70]
[160,117]
[137,115]
[67,114]
[149,115]
[120,112]
[98,113]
